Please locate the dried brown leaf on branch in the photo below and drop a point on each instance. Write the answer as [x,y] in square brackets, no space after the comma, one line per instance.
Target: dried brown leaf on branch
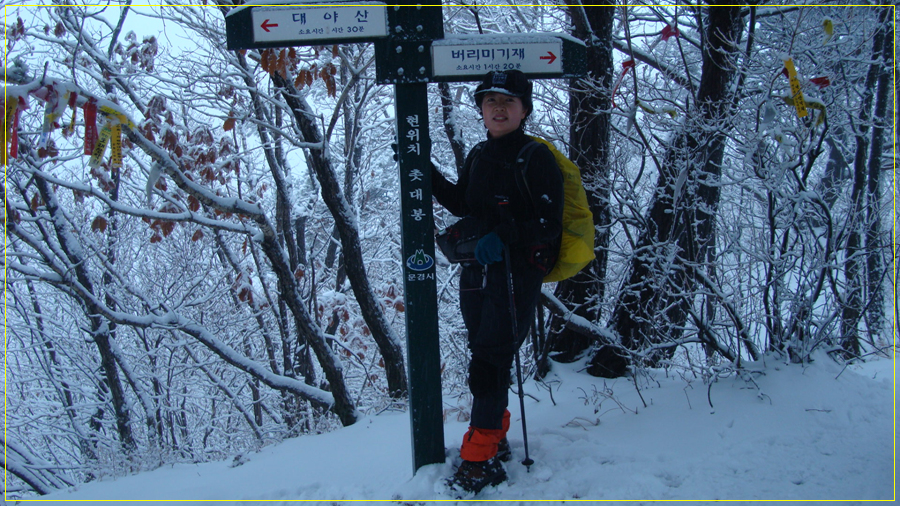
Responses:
[99,224]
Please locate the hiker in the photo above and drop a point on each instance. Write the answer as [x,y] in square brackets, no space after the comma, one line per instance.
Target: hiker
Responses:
[511,224]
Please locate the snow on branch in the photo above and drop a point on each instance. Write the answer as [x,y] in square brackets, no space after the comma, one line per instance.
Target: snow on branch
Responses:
[119,206]
[577,323]
[36,472]
[60,94]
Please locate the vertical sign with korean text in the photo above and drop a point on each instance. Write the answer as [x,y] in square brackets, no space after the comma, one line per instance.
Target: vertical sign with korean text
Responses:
[423,344]
[403,59]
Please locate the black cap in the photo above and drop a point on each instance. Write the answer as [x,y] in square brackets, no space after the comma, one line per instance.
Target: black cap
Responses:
[509,82]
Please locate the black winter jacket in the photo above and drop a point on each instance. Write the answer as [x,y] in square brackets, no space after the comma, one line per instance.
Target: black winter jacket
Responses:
[522,225]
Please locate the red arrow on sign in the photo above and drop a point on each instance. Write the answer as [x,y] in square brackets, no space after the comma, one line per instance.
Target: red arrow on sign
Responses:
[552,57]
[265,25]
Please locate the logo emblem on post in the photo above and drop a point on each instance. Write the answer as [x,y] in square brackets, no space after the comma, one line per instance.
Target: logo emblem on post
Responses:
[419,262]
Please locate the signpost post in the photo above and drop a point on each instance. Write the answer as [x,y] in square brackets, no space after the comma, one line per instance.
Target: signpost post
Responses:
[403,59]
[410,52]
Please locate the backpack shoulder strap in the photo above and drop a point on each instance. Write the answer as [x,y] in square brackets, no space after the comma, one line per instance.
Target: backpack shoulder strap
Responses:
[472,159]
[522,160]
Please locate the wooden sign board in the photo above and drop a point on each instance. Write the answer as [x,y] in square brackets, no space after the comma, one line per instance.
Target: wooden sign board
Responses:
[280,25]
[469,57]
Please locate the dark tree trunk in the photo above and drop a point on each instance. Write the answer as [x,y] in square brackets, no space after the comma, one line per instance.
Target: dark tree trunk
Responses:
[875,316]
[456,144]
[652,306]
[852,304]
[386,339]
[101,329]
[836,169]
[589,133]
[302,357]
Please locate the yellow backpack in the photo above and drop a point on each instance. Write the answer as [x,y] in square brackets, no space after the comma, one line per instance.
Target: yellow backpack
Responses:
[577,248]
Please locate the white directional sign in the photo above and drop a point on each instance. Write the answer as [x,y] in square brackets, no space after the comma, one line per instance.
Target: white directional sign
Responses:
[474,56]
[296,25]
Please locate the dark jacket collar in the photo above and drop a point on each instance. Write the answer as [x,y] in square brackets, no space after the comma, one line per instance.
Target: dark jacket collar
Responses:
[513,140]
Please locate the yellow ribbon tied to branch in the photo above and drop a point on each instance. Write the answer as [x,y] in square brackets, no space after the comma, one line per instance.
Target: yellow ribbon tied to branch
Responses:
[10,140]
[116,146]
[796,92]
[119,115]
[828,27]
[809,104]
[111,135]
[100,147]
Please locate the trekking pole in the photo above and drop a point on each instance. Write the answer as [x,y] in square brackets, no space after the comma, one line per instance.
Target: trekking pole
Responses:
[540,357]
[515,328]
[535,335]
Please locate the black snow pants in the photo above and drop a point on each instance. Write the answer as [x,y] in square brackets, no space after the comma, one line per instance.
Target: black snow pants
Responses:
[484,302]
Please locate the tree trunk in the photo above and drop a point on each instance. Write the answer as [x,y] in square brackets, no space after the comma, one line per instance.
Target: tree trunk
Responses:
[836,168]
[66,399]
[100,328]
[31,469]
[652,306]
[852,304]
[589,134]
[453,136]
[387,340]
[875,317]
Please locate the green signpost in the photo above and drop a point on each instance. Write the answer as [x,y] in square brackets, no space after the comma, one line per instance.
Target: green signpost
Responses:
[403,59]
[410,51]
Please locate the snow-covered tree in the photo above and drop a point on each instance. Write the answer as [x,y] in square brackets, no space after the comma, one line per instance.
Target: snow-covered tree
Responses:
[202,246]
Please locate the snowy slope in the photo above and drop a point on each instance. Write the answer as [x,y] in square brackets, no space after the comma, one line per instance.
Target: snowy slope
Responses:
[791,433]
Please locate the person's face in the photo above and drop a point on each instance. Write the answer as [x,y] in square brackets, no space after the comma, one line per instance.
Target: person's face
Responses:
[502,113]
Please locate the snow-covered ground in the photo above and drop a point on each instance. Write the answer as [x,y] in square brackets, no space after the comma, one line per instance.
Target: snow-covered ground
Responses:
[787,432]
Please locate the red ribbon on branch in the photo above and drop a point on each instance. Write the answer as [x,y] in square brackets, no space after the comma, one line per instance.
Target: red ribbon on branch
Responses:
[625,66]
[669,31]
[11,108]
[14,135]
[90,126]
[821,82]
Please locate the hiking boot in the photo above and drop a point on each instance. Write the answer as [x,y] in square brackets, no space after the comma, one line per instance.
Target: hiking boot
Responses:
[474,476]
[504,452]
